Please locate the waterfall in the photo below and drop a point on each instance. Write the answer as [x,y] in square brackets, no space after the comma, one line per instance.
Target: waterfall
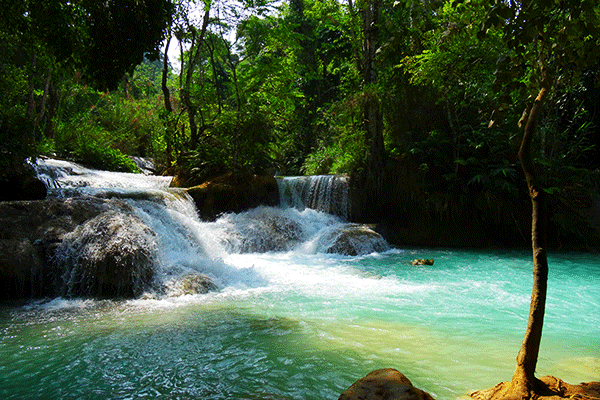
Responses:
[168,250]
[326,193]
[61,177]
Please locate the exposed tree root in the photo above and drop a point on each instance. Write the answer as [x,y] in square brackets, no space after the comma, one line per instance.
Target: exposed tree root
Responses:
[547,388]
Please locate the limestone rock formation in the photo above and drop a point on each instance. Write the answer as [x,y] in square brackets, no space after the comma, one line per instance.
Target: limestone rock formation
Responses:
[263,229]
[234,193]
[111,255]
[192,284]
[384,384]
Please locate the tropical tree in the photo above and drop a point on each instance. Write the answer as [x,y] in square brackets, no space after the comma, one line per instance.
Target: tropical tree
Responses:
[47,42]
[370,14]
[549,41]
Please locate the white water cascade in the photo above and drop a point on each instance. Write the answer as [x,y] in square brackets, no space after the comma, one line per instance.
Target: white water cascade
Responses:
[326,193]
[310,221]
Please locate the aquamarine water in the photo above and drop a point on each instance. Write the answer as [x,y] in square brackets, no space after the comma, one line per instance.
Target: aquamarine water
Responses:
[290,321]
[313,325]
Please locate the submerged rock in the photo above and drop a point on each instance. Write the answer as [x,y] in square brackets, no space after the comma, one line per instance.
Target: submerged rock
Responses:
[384,384]
[422,261]
[191,284]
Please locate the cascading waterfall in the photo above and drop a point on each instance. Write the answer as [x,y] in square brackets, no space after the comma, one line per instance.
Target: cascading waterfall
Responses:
[161,229]
[326,193]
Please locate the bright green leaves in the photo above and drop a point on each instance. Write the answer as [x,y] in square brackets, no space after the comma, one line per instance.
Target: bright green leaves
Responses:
[455,61]
[547,35]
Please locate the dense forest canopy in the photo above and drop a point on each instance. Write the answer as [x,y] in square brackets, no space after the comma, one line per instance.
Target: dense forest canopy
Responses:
[424,96]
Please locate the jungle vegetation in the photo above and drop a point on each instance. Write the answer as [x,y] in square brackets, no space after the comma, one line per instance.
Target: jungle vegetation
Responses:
[463,113]
[415,100]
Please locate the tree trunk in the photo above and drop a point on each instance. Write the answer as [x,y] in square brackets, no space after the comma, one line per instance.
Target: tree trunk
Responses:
[28,138]
[354,36]
[42,112]
[524,383]
[237,139]
[186,99]
[168,107]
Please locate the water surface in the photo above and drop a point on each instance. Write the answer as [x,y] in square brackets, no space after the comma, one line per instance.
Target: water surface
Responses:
[290,320]
[298,326]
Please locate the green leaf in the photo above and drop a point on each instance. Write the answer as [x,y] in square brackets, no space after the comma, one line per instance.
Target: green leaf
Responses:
[551,190]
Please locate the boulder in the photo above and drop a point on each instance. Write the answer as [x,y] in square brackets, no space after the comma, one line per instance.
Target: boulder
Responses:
[263,229]
[109,256]
[192,284]
[32,232]
[384,384]
[354,239]
[234,193]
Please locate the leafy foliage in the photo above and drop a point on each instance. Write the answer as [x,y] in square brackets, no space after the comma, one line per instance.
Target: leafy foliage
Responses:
[48,44]
[282,87]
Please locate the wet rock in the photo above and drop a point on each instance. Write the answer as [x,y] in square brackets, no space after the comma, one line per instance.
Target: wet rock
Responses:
[384,384]
[23,269]
[31,232]
[354,239]
[109,256]
[422,261]
[192,284]
[263,229]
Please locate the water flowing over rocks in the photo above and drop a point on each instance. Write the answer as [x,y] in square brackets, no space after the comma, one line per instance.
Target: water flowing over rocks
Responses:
[262,229]
[326,193]
[30,232]
[35,235]
[102,234]
[384,384]
[271,229]
[111,255]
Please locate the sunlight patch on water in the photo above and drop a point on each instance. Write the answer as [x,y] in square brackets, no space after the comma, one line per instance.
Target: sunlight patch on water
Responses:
[572,369]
